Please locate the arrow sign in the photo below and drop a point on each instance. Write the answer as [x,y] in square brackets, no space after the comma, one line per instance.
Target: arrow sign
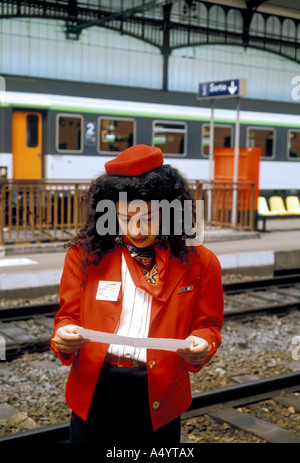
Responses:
[233,88]
[222,89]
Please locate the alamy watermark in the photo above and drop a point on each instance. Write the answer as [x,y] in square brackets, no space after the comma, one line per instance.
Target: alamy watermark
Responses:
[2,348]
[296,88]
[296,350]
[2,84]
[172,217]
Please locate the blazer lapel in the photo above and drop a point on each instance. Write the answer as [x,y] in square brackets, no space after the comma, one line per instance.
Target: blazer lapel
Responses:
[108,270]
[175,273]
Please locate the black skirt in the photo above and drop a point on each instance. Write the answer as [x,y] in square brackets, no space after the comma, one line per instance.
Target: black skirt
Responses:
[119,413]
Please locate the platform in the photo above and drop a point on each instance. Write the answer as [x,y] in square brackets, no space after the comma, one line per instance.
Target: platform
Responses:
[276,249]
[34,268]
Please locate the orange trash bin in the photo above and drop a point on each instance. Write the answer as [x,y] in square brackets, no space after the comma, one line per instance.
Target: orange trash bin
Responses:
[248,171]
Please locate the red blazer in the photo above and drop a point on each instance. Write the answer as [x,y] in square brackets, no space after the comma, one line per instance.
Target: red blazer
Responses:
[198,311]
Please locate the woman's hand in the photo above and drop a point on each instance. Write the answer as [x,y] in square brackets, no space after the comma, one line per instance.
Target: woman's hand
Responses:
[196,353]
[68,340]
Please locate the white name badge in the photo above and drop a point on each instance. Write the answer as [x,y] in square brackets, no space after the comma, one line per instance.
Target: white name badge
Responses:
[108,290]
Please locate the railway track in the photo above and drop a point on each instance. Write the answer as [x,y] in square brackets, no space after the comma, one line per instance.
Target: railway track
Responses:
[223,405]
[270,295]
[226,405]
[29,328]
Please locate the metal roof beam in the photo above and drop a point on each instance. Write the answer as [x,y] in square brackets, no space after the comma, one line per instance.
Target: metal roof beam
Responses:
[166,31]
[123,14]
[247,14]
[254,4]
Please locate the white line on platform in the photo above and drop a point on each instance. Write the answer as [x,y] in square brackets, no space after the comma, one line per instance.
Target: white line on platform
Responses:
[247,259]
[16,261]
[30,279]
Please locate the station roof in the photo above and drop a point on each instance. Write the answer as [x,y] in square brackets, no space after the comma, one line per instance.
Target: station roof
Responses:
[285,8]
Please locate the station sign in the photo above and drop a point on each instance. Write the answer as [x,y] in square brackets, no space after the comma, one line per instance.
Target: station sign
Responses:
[222,89]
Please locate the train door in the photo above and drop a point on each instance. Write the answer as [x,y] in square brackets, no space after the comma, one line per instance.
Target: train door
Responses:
[27,145]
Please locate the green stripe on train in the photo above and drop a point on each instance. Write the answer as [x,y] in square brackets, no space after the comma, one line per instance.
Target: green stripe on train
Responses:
[151,115]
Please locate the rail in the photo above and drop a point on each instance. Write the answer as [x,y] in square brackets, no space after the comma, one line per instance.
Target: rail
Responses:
[40,210]
[47,210]
[218,198]
[211,402]
[277,295]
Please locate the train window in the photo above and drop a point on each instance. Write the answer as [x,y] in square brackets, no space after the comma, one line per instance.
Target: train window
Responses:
[222,137]
[116,135]
[170,137]
[261,138]
[32,131]
[294,144]
[69,133]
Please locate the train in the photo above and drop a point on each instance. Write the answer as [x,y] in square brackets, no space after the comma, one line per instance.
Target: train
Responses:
[67,130]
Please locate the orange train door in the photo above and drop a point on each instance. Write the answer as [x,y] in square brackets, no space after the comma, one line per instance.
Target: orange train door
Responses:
[27,145]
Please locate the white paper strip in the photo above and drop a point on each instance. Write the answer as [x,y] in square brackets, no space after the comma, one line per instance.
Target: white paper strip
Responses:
[148,343]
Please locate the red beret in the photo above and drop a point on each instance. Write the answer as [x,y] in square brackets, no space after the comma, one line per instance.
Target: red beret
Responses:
[135,161]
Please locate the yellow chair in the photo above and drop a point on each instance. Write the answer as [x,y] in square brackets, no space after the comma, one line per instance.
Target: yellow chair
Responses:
[277,205]
[293,205]
[263,208]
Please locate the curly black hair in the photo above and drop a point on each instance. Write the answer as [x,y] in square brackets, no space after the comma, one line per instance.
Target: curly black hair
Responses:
[163,183]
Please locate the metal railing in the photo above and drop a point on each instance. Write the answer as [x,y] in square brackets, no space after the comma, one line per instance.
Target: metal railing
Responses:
[47,210]
[221,208]
[40,210]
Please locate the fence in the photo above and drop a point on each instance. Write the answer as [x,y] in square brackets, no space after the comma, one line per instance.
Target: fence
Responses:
[45,210]
[219,202]
[40,210]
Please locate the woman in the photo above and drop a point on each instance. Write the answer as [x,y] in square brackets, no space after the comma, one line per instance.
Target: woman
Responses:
[139,281]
